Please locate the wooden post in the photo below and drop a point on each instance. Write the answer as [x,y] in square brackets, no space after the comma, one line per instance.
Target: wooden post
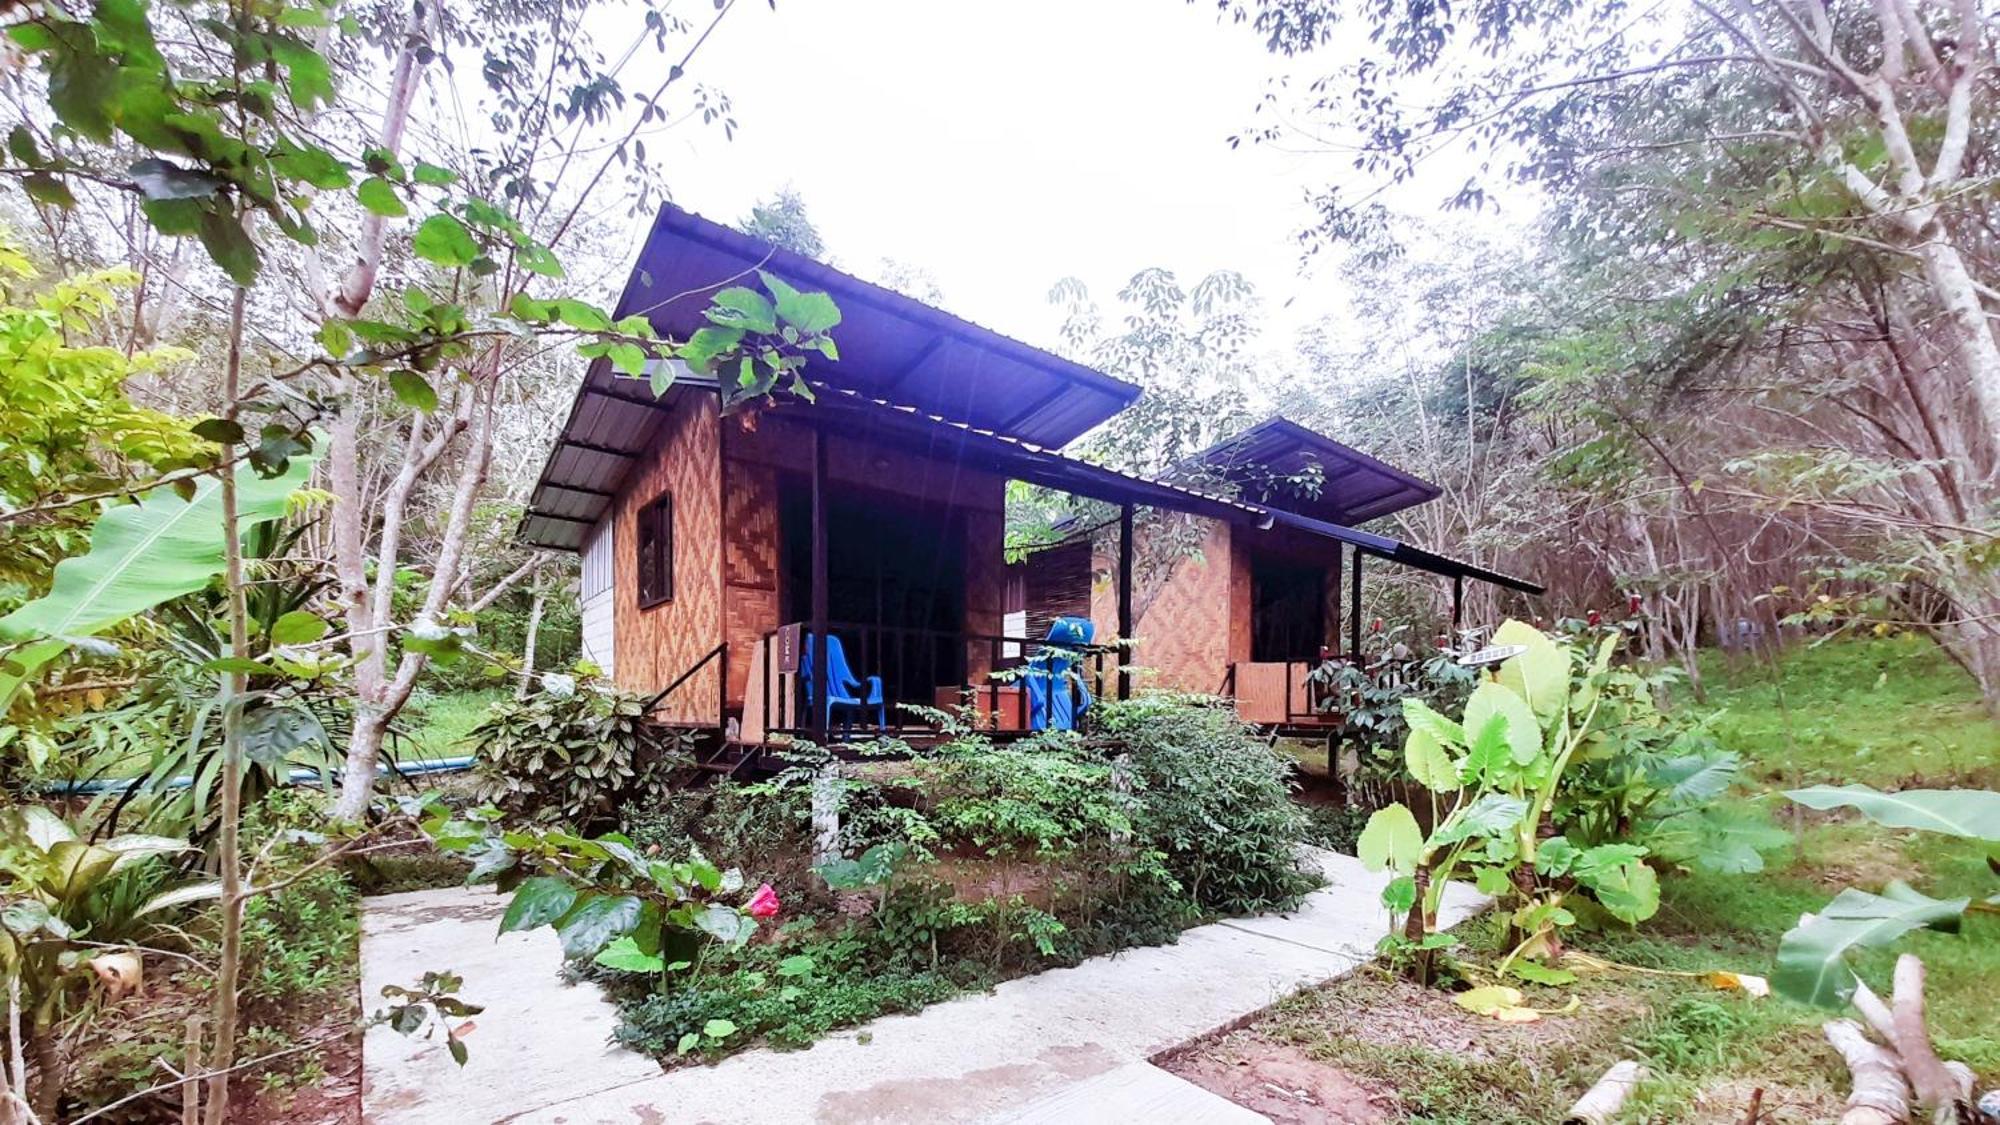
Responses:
[1354,610]
[821,683]
[1457,605]
[1124,599]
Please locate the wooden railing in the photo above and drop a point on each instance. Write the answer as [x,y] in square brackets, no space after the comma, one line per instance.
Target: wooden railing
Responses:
[982,676]
[719,653]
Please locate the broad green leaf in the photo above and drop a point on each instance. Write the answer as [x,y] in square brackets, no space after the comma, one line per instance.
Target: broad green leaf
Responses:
[312,78]
[376,194]
[628,359]
[1693,779]
[413,390]
[1391,840]
[582,315]
[718,1029]
[1622,882]
[1539,675]
[1428,763]
[229,245]
[1727,839]
[145,553]
[810,313]
[1400,894]
[595,921]
[537,902]
[1812,957]
[1493,814]
[432,175]
[443,240]
[625,956]
[1491,758]
[299,627]
[1524,733]
[724,923]
[1973,813]
[1534,972]
[537,258]
[44,188]
[741,307]
[707,344]
[1418,715]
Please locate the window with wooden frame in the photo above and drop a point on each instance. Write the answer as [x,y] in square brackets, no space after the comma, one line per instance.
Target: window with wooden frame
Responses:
[656,551]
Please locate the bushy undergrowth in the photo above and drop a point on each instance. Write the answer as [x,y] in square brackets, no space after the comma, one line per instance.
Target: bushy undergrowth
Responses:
[1214,799]
[571,757]
[967,863]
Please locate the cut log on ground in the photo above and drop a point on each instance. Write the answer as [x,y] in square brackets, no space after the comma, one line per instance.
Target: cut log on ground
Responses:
[1880,1096]
[1601,1102]
[1937,1089]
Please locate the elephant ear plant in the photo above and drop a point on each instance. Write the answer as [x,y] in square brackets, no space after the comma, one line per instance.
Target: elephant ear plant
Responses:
[1493,777]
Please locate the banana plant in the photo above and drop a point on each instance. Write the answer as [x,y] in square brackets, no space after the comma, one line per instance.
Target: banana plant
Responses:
[1494,776]
[1812,956]
[62,900]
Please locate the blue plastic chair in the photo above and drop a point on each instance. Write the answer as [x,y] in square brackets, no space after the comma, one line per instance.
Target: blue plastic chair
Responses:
[841,685]
[1052,673]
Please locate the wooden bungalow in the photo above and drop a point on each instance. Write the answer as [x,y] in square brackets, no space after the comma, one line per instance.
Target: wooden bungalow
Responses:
[1254,607]
[717,550]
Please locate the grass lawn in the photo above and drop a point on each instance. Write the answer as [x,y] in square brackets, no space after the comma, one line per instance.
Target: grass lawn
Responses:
[436,725]
[1892,713]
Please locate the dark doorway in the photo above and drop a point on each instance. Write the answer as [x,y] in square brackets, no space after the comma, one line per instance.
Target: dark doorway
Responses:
[895,585]
[1287,611]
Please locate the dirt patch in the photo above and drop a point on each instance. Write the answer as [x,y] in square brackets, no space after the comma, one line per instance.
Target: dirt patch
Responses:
[334,1099]
[1283,1083]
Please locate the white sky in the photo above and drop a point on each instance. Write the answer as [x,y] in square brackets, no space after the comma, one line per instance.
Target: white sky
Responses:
[1001,146]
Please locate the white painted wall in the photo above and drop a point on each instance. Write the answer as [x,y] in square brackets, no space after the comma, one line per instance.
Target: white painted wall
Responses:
[599,644]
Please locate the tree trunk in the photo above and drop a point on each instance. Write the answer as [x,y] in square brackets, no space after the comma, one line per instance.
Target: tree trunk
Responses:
[1945,269]
[230,852]
[528,646]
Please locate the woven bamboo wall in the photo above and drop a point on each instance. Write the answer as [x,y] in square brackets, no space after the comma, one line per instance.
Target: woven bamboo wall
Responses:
[753,458]
[1197,623]
[657,644]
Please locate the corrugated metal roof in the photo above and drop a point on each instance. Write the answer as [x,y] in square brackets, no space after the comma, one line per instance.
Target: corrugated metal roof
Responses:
[1023,460]
[613,420]
[890,345]
[1354,487]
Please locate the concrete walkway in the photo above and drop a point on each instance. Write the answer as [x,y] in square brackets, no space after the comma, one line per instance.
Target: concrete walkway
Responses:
[1067,1045]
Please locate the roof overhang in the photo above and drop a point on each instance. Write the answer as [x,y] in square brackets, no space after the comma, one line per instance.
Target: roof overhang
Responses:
[1353,487]
[850,413]
[891,346]
[613,422]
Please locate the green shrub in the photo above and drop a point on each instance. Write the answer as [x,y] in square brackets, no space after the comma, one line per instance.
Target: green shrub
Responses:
[760,830]
[1213,798]
[568,757]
